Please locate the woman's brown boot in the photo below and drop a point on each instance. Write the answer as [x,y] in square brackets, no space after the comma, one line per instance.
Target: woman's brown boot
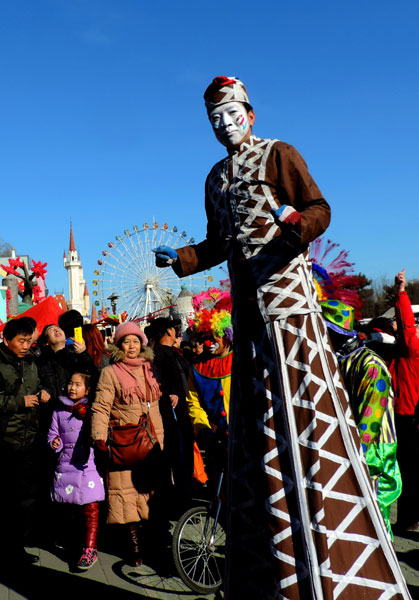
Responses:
[135,559]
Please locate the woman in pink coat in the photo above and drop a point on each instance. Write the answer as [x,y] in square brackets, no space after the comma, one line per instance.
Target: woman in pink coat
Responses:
[121,397]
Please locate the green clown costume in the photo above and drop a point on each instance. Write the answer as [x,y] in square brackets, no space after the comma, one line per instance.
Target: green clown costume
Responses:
[369,386]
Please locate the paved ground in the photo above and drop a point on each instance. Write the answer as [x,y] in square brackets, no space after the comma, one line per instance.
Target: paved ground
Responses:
[110,578]
[408,554]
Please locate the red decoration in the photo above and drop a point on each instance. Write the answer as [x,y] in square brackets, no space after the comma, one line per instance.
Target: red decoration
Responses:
[221,80]
[8,296]
[38,268]
[37,294]
[28,291]
[10,270]
[16,263]
[45,312]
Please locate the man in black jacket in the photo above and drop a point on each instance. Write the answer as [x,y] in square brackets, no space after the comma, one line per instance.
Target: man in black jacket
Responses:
[178,433]
[20,399]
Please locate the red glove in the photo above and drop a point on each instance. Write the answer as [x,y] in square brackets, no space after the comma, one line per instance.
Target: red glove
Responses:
[290,222]
[101,445]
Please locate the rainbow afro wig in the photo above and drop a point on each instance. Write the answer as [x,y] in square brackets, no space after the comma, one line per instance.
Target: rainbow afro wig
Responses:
[214,323]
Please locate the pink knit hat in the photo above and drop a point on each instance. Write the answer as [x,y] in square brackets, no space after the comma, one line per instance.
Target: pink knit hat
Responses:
[130,328]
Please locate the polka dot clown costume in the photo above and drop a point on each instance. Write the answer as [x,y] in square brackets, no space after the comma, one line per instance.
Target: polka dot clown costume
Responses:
[369,386]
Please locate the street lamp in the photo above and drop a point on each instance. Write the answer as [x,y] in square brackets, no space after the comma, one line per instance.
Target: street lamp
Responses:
[114,299]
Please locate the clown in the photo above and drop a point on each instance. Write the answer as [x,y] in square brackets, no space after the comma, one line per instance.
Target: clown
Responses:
[210,379]
[209,385]
[303,520]
[369,386]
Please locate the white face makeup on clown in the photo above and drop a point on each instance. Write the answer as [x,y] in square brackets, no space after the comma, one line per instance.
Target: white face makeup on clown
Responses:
[231,123]
[214,348]
[218,346]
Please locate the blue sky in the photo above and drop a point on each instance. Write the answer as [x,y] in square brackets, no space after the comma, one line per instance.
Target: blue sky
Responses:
[103,121]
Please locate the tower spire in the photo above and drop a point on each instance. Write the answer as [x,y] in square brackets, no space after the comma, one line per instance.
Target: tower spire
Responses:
[72,247]
[93,318]
[76,282]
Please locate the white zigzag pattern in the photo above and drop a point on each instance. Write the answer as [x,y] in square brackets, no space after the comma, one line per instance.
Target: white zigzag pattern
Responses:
[261,150]
[359,503]
[291,291]
[219,183]
[288,485]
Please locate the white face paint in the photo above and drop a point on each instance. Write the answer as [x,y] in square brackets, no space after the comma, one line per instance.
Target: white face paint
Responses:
[218,347]
[230,123]
[214,348]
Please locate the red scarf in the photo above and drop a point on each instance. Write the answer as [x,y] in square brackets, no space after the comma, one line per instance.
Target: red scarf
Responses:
[130,385]
[78,409]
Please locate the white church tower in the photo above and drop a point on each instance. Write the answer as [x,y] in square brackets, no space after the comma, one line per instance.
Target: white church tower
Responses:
[76,282]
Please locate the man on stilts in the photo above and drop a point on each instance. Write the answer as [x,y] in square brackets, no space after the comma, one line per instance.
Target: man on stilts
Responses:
[303,522]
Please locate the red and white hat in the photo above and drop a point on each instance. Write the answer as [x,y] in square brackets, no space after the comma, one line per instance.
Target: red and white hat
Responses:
[225,89]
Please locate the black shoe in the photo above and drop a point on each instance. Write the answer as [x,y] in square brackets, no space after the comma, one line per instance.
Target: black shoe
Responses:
[406,532]
[15,561]
[26,559]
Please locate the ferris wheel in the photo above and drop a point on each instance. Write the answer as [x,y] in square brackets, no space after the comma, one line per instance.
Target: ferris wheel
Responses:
[127,278]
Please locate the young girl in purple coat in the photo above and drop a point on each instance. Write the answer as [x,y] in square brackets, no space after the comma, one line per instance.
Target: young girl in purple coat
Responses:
[76,479]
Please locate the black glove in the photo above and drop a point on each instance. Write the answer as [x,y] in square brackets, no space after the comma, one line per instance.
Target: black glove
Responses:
[206,438]
[214,449]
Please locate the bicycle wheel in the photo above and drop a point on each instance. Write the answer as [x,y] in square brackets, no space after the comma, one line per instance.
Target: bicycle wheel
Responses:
[199,550]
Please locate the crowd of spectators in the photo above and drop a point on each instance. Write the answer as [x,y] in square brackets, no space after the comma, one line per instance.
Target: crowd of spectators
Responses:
[59,395]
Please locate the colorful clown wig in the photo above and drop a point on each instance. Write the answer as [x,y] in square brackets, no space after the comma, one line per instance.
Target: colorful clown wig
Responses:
[214,323]
[212,298]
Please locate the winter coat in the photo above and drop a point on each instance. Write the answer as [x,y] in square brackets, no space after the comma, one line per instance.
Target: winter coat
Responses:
[405,367]
[56,368]
[125,503]
[173,381]
[76,479]
[178,432]
[18,378]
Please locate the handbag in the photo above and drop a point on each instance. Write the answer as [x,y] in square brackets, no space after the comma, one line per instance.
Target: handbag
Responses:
[131,443]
